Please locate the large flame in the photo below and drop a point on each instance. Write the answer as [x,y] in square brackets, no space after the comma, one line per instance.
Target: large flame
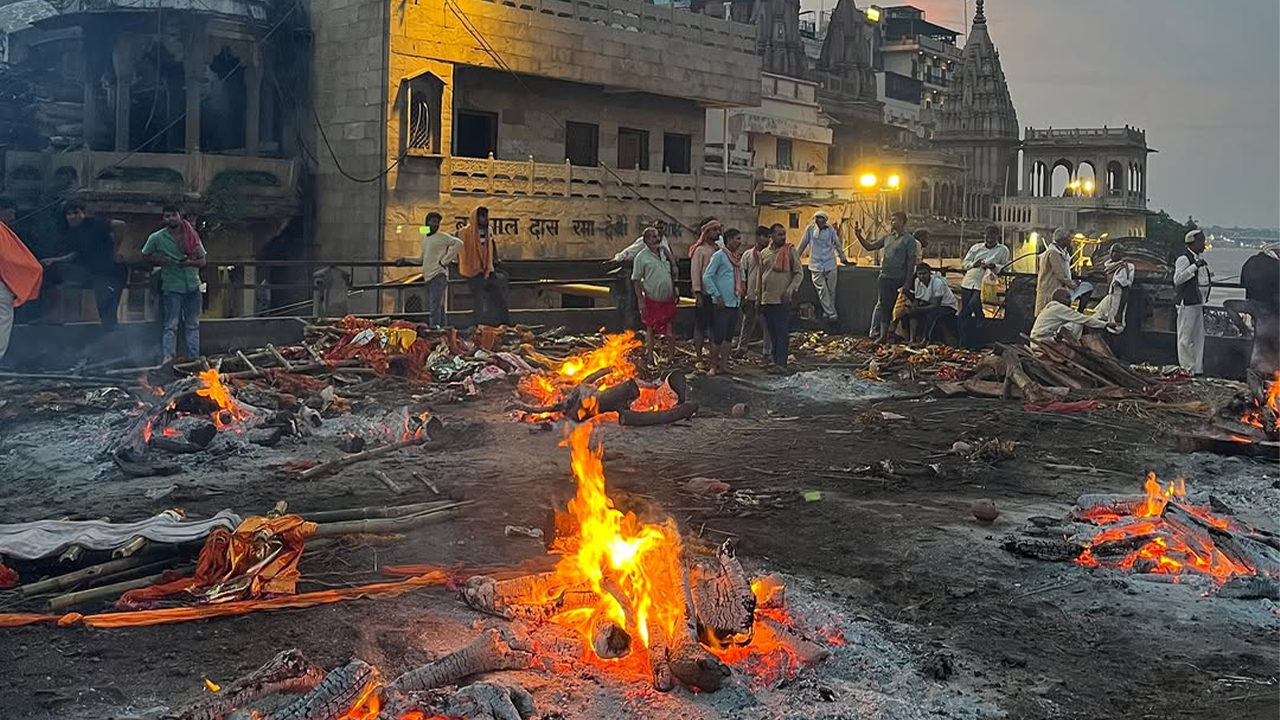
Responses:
[617,553]
[1170,551]
[229,411]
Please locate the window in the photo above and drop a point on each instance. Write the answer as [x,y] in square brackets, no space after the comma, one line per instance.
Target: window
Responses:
[420,116]
[784,153]
[633,149]
[582,143]
[677,153]
[793,220]
[475,134]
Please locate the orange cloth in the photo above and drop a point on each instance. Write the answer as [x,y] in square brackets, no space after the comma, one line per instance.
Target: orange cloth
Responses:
[476,257]
[259,558]
[19,269]
[167,616]
[782,261]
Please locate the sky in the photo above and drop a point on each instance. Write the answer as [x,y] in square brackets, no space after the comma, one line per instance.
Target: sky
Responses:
[1201,77]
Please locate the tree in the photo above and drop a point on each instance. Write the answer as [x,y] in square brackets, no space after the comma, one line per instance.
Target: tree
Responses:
[1168,234]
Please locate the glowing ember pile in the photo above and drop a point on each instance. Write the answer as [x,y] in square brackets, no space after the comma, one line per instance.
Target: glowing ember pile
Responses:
[1164,533]
[605,367]
[1265,414]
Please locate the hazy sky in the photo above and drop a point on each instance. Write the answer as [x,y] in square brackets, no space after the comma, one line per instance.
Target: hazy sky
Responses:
[1202,77]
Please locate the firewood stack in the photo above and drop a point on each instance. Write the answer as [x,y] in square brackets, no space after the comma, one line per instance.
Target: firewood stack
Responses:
[1050,371]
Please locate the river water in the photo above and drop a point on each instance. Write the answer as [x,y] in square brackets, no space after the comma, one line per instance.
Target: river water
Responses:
[1225,264]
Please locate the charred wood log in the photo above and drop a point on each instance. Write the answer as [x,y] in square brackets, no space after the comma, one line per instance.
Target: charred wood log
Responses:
[493,650]
[533,598]
[807,651]
[1250,587]
[688,661]
[1258,555]
[288,673]
[722,597]
[582,405]
[609,640]
[340,692]
[489,701]
[1095,503]
[637,418]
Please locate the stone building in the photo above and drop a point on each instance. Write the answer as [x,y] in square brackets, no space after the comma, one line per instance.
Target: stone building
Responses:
[575,124]
[978,123]
[128,109]
[914,61]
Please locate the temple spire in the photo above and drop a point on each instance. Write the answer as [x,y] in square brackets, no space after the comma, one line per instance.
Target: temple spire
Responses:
[978,17]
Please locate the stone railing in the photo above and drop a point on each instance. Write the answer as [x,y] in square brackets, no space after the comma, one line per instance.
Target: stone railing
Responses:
[154,176]
[1103,133]
[490,176]
[645,17]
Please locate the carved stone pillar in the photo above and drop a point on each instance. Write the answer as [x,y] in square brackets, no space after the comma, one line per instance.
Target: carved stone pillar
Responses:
[122,57]
[252,104]
[194,63]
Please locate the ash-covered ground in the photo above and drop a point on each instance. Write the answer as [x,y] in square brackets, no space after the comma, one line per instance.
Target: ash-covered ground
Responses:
[854,499]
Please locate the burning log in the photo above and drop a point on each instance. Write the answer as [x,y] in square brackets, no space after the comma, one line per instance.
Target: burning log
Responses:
[338,464]
[722,597]
[493,650]
[807,652]
[1258,556]
[288,673]
[637,418]
[582,405]
[533,598]
[484,700]
[338,694]
[687,660]
[609,640]
[1095,504]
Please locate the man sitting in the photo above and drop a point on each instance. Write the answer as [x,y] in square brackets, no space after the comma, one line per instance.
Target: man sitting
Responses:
[931,300]
[1059,315]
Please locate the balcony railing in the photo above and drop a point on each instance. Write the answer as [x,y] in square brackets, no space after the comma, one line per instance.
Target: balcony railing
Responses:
[147,175]
[490,176]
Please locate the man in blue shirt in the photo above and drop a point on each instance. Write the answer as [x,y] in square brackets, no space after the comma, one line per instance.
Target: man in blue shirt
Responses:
[722,281]
[823,242]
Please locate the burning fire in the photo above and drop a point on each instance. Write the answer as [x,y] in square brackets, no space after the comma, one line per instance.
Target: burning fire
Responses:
[1254,416]
[620,558]
[550,387]
[1171,549]
[229,410]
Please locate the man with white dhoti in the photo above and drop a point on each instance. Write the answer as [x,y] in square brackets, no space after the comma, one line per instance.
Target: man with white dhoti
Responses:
[824,245]
[1191,283]
[1120,274]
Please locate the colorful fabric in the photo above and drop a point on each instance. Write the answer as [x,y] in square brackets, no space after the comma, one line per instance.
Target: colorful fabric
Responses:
[711,229]
[657,315]
[19,269]
[477,253]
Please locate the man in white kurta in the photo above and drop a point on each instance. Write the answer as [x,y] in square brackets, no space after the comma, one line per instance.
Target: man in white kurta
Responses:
[1191,284]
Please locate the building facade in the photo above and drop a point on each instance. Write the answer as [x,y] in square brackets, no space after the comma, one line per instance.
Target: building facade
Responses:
[915,60]
[574,125]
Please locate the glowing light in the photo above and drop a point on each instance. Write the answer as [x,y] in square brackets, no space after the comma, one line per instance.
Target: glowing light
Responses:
[1088,186]
[867,180]
[894,182]
[873,14]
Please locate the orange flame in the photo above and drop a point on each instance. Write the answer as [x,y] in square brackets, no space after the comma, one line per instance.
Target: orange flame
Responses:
[550,387]
[1253,416]
[1170,550]
[229,410]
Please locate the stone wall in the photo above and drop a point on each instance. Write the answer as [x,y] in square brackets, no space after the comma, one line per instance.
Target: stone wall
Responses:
[349,92]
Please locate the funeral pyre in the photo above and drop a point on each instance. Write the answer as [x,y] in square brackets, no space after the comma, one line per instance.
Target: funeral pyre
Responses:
[603,381]
[625,596]
[1165,534]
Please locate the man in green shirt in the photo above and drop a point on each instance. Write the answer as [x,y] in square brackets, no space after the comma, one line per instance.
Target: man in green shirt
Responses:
[177,249]
[897,263]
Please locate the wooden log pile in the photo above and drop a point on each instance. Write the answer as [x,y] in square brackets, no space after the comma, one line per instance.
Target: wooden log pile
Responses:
[1052,371]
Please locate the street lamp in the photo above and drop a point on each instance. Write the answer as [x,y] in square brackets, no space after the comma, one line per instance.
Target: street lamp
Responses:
[867,180]
[894,182]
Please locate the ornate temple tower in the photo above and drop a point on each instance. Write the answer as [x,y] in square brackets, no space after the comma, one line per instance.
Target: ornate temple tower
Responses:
[977,122]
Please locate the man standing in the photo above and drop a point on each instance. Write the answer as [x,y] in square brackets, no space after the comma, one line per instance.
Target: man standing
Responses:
[625,257]
[753,268]
[654,283]
[1191,283]
[439,249]
[901,253]
[824,246]
[476,263]
[932,301]
[779,282]
[1058,314]
[177,249]
[20,272]
[699,257]
[988,256]
[92,245]
[1054,272]
[723,282]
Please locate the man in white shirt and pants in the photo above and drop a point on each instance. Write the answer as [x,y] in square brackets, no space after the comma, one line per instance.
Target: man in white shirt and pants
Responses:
[931,300]
[824,246]
[990,255]
[1059,314]
[1191,283]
